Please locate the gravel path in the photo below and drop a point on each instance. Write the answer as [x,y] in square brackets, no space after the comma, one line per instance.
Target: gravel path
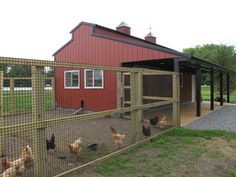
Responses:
[221,119]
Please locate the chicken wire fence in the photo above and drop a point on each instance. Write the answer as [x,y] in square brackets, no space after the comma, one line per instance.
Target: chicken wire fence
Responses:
[64,116]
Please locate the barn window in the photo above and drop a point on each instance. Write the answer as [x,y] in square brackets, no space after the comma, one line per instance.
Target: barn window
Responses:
[71,79]
[93,78]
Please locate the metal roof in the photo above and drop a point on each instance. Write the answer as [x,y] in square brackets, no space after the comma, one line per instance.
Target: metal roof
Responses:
[146,44]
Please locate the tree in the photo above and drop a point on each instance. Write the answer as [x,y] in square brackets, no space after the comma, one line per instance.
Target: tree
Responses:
[19,71]
[219,54]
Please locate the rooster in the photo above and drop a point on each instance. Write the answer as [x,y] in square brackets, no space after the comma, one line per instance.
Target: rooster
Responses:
[51,143]
[118,138]
[75,148]
[153,121]
[162,122]
[12,168]
[146,130]
[27,154]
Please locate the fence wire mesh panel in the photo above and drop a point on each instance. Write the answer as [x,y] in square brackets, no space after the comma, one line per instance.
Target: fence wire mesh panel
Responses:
[59,117]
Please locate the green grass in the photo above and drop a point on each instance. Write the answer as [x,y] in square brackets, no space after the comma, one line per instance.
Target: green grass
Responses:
[23,101]
[175,153]
[206,94]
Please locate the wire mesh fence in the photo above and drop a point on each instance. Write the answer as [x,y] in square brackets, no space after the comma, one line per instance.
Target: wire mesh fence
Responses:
[52,125]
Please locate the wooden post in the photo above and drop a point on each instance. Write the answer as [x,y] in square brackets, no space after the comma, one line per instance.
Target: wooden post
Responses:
[1,111]
[139,95]
[119,88]
[53,93]
[176,105]
[221,89]
[12,104]
[228,90]
[134,114]
[212,89]
[39,143]
[198,91]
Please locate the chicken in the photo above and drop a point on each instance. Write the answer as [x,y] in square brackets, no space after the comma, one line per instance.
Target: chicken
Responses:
[118,138]
[153,121]
[51,143]
[27,154]
[5,163]
[13,168]
[162,122]
[10,172]
[75,148]
[146,130]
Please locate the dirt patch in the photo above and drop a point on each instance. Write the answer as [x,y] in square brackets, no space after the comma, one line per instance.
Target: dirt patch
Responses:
[92,131]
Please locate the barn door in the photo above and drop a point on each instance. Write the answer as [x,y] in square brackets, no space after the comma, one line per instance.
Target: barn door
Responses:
[126,93]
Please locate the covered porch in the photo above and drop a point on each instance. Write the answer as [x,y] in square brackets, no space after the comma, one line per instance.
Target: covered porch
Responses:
[191,69]
[187,112]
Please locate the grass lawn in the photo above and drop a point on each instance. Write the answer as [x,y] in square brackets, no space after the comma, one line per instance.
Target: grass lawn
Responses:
[179,152]
[23,101]
[206,94]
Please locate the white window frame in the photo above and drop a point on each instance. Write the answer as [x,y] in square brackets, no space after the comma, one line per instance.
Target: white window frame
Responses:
[92,87]
[70,71]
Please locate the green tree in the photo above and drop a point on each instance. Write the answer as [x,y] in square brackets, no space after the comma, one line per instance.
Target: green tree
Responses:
[219,54]
[19,71]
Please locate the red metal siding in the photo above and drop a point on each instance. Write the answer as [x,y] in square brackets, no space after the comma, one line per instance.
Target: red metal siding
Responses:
[88,49]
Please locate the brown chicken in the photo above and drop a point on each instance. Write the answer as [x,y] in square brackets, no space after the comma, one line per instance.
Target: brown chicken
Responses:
[75,148]
[10,172]
[146,130]
[162,122]
[5,164]
[27,154]
[12,168]
[118,138]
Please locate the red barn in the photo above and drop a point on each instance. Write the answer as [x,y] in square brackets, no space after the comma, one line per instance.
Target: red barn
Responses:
[98,45]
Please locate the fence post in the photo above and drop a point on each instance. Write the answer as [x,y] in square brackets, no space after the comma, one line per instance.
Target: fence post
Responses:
[136,92]
[176,105]
[53,92]
[12,96]
[39,142]
[1,111]
[139,94]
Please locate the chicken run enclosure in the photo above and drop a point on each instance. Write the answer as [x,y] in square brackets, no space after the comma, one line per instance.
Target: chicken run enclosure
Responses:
[40,136]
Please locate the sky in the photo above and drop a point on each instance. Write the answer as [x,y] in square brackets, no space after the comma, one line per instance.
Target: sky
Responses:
[37,28]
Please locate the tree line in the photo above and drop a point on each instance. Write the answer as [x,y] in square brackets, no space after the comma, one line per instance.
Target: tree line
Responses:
[222,55]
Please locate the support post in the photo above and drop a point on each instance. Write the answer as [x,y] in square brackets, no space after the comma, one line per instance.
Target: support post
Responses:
[12,96]
[135,115]
[139,94]
[176,105]
[228,89]
[198,91]
[212,88]
[1,111]
[221,89]
[176,94]
[119,89]
[53,93]
[39,144]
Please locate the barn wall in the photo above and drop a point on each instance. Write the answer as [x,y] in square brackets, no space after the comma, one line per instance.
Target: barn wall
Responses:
[88,49]
[157,86]
[186,90]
